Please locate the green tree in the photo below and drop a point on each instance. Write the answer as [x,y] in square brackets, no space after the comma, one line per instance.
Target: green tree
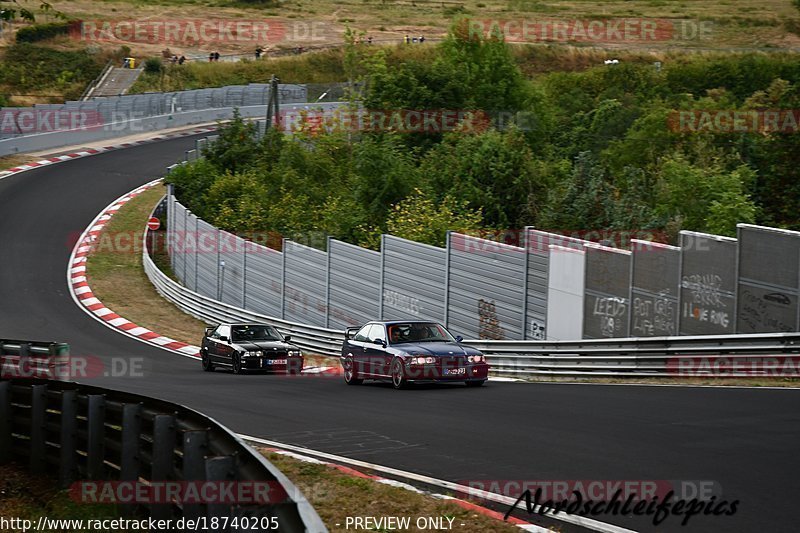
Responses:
[192,182]
[686,193]
[423,219]
[383,174]
[491,172]
[236,146]
[237,203]
[586,201]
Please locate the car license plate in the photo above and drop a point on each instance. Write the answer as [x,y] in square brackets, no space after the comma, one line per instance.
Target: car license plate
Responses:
[275,361]
[454,371]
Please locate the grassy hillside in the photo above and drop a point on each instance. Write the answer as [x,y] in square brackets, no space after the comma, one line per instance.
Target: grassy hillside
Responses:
[52,71]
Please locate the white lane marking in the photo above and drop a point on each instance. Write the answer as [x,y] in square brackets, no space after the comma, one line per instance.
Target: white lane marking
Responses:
[589,523]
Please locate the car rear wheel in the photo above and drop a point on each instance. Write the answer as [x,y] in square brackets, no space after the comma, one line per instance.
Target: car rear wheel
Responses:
[399,380]
[476,383]
[237,363]
[208,366]
[350,376]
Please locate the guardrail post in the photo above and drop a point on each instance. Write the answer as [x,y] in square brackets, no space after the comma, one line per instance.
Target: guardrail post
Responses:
[129,453]
[220,469]
[328,283]
[195,447]
[244,273]
[5,421]
[382,280]
[37,442]
[283,278]
[95,446]
[68,459]
[131,432]
[446,317]
[163,458]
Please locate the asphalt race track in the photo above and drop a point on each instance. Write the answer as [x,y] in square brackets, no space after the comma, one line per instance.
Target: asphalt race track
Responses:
[747,441]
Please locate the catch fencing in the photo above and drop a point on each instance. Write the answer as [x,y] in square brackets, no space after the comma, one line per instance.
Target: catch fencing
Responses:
[104,111]
[48,126]
[483,289]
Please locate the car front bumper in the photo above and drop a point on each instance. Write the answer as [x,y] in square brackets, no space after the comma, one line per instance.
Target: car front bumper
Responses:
[468,372]
[292,364]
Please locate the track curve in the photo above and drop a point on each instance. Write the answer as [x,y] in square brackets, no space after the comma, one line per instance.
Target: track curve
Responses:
[746,440]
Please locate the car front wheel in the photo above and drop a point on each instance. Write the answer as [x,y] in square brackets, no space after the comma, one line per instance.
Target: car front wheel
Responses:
[350,376]
[208,366]
[399,380]
[237,363]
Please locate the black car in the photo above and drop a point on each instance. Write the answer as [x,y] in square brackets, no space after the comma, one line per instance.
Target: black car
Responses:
[242,347]
[410,351]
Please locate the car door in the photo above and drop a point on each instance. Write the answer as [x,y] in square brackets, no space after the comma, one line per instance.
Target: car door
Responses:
[222,344]
[355,347]
[375,350]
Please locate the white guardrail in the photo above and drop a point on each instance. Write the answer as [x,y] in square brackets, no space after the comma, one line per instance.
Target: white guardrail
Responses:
[752,355]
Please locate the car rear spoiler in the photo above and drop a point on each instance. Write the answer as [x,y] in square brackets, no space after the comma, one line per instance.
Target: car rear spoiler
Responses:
[348,333]
[210,329]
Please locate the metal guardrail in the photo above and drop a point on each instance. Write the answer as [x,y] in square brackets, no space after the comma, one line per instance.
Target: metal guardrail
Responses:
[631,357]
[728,355]
[92,433]
[32,359]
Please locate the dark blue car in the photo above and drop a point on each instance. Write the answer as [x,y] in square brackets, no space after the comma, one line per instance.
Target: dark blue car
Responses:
[410,351]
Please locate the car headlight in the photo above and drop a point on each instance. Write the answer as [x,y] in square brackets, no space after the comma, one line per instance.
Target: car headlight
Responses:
[294,353]
[476,358]
[422,360]
[256,353]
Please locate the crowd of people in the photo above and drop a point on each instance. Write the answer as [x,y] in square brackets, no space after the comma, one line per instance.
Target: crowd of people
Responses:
[408,40]
[261,52]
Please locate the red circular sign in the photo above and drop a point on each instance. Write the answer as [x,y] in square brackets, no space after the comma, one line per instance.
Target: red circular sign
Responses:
[153,224]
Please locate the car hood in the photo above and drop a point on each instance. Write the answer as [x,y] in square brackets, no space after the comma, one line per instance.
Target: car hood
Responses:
[436,348]
[265,345]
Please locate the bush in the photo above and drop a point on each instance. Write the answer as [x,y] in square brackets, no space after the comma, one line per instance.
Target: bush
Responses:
[153,65]
[28,68]
[40,32]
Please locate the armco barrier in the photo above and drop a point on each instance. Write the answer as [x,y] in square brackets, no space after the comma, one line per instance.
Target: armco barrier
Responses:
[750,356]
[32,358]
[90,433]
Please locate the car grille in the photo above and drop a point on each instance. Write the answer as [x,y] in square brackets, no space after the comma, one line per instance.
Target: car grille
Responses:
[452,361]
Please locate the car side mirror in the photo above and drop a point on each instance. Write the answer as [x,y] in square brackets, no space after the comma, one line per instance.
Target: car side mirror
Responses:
[287,338]
[223,338]
[459,338]
[380,342]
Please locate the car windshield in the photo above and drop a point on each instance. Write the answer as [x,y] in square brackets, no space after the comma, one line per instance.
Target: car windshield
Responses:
[418,332]
[255,333]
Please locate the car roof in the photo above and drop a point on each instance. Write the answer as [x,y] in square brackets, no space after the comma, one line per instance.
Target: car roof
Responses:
[244,324]
[414,321]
